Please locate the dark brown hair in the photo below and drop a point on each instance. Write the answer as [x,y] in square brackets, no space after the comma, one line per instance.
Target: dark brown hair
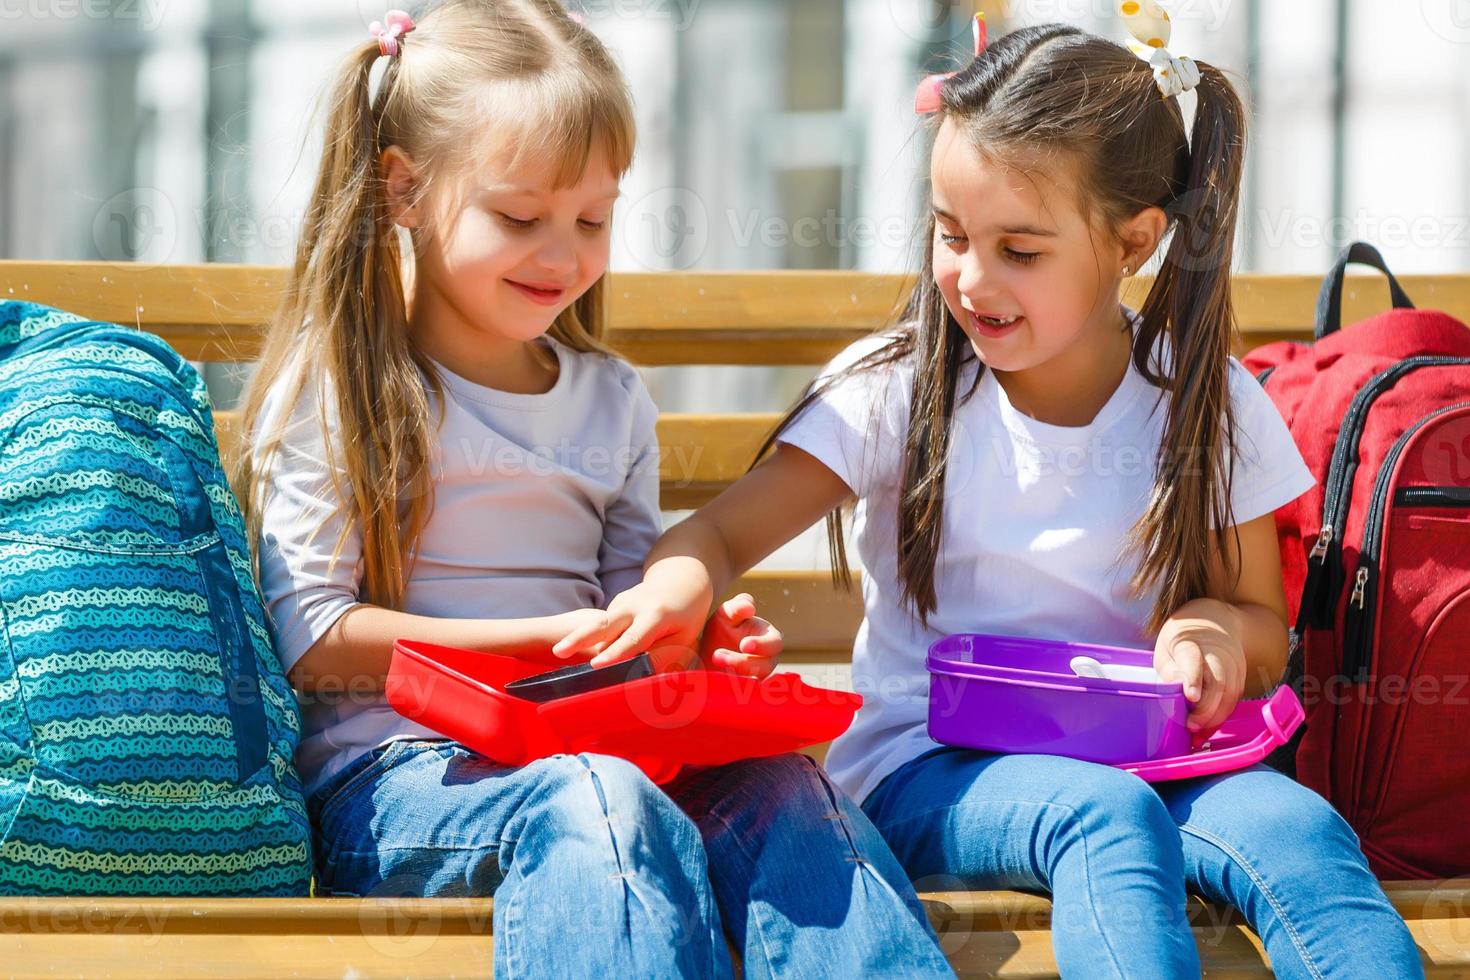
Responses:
[1059,92]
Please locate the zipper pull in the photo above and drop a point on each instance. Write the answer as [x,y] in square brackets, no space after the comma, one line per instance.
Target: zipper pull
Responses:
[1324,541]
[1317,592]
[1360,589]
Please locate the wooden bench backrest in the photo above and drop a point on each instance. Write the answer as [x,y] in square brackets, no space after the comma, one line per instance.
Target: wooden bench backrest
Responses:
[216,313]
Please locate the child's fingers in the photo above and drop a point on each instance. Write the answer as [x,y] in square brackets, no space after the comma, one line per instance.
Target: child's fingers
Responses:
[1205,714]
[584,638]
[672,657]
[745,664]
[739,608]
[766,642]
[635,639]
[1189,668]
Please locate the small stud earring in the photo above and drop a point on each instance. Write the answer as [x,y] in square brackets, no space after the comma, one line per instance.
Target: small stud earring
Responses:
[1126,272]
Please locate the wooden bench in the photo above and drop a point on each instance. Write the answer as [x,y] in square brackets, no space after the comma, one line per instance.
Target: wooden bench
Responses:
[217,313]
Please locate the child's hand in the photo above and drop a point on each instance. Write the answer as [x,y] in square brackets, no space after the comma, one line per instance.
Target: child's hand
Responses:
[736,640]
[567,623]
[1197,648]
[663,616]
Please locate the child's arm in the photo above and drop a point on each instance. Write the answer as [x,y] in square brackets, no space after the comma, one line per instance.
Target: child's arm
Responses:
[354,653]
[697,559]
[1234,642]
[633,520]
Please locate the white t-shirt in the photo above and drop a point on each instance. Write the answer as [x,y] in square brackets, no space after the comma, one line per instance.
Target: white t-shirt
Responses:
[542,504]
[1035,524]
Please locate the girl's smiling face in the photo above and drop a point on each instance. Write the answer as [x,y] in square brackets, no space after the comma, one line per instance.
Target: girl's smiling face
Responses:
[1023,272]
[508,252]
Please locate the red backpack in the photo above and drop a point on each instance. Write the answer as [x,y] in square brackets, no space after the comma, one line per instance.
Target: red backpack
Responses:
[1376,560]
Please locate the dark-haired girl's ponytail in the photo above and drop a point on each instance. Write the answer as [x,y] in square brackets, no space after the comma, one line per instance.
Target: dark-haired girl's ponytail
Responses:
[1190,304]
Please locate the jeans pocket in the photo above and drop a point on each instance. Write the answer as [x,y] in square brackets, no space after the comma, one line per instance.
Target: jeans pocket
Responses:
[363,772]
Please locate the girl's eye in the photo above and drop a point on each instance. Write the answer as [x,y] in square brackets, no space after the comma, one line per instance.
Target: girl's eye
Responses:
[951,240]
[516,222]
[1025,258]
[593,225]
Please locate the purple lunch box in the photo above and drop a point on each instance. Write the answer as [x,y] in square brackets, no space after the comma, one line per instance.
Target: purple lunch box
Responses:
[1008,694]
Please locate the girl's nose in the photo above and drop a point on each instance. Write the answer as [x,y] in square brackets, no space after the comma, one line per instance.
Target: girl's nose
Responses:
[557,257]
[975,280]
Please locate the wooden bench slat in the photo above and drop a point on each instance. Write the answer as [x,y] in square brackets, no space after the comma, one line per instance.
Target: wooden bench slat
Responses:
[1003,934]
[1233,952]
[1008,910]
[1229,953]
[216,312]
[817,618]
[701,455]
[246,956]
[983,911]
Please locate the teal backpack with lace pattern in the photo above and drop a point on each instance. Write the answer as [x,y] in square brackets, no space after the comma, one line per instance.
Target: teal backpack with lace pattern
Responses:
[146,730]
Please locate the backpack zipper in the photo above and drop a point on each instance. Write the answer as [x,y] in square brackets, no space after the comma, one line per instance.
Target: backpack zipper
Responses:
[1362,608]
[1324,564]
[1432,497]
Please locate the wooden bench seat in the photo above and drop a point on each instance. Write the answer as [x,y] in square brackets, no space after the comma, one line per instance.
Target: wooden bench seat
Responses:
[218,312]
[984,934]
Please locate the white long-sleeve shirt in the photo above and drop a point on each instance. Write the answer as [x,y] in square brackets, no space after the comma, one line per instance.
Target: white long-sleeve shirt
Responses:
[542,504]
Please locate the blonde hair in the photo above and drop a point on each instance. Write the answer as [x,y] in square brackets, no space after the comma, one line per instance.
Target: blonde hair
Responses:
[522,68]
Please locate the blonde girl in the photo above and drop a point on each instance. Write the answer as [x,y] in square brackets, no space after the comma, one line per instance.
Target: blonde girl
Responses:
[456,457]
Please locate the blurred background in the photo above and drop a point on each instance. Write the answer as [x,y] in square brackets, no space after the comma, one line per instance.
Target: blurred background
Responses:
[773,133]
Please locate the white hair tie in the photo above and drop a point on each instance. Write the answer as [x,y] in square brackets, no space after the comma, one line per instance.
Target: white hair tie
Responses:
[1174,74]
[1149,24]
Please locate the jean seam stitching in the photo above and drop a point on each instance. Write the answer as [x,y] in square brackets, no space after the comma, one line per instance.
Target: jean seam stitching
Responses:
[754,913]
[332,849]
[1091,895]
[727,832]
[814,775]
[608,820]
[372,770]
[510,920]
[739,846]
[1086,862]
[1264,889]
[865,867]
[419,847]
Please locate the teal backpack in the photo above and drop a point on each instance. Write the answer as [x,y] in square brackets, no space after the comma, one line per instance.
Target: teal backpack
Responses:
[146,730]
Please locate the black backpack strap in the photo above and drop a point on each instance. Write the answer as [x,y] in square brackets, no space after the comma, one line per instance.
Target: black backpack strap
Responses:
[1329,301]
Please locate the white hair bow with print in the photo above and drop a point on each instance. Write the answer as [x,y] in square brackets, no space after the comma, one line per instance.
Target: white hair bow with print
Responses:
[1149,24]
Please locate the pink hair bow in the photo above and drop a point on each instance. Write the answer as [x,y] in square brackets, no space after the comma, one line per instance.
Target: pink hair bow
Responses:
[928,99]
[399,24]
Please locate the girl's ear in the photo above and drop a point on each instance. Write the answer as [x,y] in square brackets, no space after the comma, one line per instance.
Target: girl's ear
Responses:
[1141,235]
[401,186]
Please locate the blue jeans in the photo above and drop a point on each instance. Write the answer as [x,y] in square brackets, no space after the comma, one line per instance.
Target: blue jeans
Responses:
[597,872]
[1117,855]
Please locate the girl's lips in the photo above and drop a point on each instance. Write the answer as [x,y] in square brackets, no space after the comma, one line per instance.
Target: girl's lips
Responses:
[987,330]
[536,294]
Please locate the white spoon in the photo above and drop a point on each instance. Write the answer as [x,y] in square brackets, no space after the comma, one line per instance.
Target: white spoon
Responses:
[1090,667]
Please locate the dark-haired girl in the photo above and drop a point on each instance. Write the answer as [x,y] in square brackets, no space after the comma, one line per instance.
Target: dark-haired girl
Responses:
[1031,458]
